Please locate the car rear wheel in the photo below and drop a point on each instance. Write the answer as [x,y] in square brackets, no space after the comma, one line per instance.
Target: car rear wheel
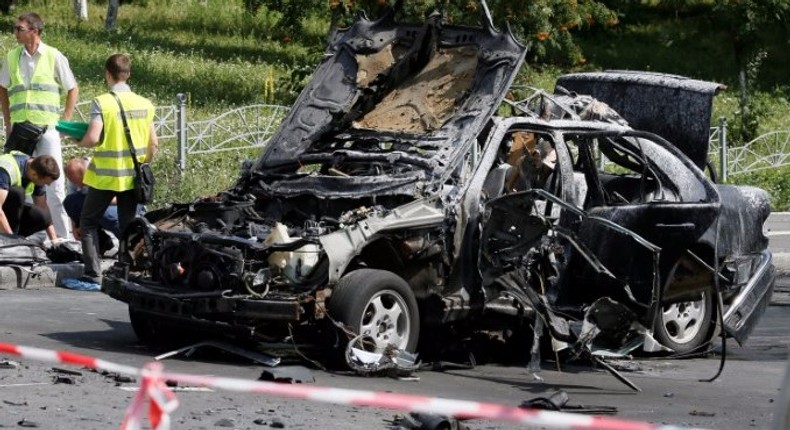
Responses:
[379,306]
[685,326]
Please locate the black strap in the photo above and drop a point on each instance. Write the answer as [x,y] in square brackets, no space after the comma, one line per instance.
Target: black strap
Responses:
[128,133]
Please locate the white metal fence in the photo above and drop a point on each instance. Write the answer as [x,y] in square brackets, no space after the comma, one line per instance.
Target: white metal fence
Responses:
[767,151]
[241,128]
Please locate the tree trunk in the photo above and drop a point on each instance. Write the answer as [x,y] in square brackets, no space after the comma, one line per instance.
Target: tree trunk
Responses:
[743,91]
[81,9]
[112,14]
[5,6]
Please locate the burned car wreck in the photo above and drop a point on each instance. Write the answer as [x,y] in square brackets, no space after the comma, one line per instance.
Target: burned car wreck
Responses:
[394,200]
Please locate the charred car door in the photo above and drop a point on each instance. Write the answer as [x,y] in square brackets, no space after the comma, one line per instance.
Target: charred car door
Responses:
[645,186]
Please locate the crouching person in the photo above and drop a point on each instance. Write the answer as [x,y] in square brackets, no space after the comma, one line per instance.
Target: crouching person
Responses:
[74,170]
[22,175]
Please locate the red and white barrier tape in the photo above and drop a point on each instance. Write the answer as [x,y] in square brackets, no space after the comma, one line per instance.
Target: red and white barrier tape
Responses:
[162,401]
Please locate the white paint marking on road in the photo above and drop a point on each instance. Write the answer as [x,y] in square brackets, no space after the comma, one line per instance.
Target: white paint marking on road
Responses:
[778,233]
[25,385]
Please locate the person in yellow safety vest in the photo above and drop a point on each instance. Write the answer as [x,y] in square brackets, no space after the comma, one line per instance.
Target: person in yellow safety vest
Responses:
[31,80]
[22,175]
[111,169]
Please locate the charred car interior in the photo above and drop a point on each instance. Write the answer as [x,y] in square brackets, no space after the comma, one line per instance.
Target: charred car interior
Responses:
[395,199]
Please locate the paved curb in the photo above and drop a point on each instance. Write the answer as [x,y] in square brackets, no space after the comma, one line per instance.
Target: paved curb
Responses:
[12,277]
[43,276]
[782,263]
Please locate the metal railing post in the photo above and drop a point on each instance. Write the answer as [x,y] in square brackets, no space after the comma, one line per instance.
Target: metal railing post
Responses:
[723,149]
[181,131]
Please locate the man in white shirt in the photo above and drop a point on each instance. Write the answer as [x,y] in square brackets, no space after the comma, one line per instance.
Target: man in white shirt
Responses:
[31,79]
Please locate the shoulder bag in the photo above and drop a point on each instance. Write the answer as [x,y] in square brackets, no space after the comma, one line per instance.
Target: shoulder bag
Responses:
[144,177]
[24,137]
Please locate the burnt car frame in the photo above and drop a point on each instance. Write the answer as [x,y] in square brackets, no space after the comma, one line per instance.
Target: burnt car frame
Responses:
[377,209]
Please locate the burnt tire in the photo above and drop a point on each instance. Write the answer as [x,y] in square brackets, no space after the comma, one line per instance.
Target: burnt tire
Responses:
[143,327]
[686,326]
[379,305]
[154,331]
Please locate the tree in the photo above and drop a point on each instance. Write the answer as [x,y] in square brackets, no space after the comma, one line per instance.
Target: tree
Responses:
[750,24]
[547,25]
[292,12]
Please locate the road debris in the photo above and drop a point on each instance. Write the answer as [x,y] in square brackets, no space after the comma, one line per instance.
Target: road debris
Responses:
[558,401]
[26,423]
[66,371]
[60,379]
[288,375]
[258,357]
[425,421]
[391,362]
[8,364]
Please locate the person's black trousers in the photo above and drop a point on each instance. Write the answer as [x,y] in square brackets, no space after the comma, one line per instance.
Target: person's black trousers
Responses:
[24,218]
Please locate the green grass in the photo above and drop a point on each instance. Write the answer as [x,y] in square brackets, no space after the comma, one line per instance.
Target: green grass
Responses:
[775,181]
[222,57]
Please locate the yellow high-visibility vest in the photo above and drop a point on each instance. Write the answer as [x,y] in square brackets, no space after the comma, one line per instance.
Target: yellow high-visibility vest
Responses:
[9,164]
[111,167]
[38,101]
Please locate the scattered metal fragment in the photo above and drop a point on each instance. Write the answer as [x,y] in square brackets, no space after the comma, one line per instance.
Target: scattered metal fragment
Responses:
[424,421]
[554,402]
[392,361]
[66,371]
[288,374]
[616,374]
[258,357]
[441,366]
[558,401]
[123,379]
[8,364]
[25,423]
[59,379]
[697,413]
[11,403]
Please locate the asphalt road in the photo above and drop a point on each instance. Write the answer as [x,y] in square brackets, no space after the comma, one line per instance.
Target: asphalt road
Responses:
[744,396]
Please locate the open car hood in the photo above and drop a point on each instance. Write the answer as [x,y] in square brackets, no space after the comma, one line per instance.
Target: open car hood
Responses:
[421,90]
[674,107]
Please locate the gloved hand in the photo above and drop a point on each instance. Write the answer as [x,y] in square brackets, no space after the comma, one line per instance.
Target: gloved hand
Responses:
[47,244]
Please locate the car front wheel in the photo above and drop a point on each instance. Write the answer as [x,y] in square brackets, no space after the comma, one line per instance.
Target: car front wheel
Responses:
[379,306]
[685,326]
[153,331]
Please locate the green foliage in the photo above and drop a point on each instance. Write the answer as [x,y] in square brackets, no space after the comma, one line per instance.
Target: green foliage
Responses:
[744,22]
[204,176]
[290,13]
[548,26]
[775,181]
